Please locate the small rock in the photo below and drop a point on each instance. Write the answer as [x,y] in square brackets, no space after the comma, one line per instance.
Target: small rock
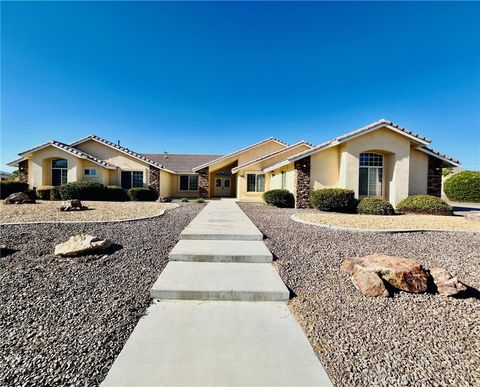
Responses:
[82,244]
[447,285]
[19,198]
[72,205]
[369,283]
[402,273]
[164,200]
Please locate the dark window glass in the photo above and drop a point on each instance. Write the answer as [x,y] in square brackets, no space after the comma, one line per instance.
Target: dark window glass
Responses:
[363,186]
[59,163]
[126,180]
[251,183]
[183,183]
[137,179]
[193,186]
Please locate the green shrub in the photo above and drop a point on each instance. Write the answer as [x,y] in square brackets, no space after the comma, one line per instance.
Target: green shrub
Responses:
[463,187]
[83,190]
[333,199]
[375,206]
[184,200]
[279,198]
[9,187]
[55,193]
[43,192]
[424,204]
[142,194]
[115,194]
[199,200]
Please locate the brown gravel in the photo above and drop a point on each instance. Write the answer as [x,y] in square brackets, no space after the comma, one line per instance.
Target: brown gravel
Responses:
[396,222]
[97,211]
[405,340]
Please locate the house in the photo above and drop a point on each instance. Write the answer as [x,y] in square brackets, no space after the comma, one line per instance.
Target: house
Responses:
[381,159]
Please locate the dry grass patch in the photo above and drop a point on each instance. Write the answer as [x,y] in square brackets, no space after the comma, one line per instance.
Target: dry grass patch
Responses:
[395,222]
[45,211]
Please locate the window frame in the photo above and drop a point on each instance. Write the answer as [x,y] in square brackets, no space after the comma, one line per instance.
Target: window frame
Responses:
[189,183]
[131,179]
[369,168]
[63,171]
[256,174]
[283,182]
[90,169]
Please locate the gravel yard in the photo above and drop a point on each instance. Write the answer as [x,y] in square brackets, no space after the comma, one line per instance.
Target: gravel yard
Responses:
[417,340]
[396,222]
[63,321]
[45,210]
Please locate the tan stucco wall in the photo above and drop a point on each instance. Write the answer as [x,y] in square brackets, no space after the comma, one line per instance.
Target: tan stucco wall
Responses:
[119,159]
[325,167]
[418,172]
[276,178]
[166,184]
[394,146]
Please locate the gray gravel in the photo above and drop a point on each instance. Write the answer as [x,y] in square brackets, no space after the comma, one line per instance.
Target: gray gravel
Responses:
[414,340]
[63,321]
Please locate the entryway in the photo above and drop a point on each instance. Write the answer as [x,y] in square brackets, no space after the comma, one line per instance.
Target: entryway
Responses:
[223,186]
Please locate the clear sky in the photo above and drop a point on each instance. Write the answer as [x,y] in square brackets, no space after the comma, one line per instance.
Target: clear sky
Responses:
[213,77]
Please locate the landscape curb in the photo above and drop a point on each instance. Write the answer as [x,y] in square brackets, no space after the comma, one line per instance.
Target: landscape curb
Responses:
[162,212]
[388,231]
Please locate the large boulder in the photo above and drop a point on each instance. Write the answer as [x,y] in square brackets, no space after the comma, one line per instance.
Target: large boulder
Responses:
[82,244]
[72,205]
[402,273]
[369,283]
[446,283]
[19,198]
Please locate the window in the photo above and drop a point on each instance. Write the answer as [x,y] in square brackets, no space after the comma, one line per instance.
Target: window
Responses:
[132,179]
[90,172]
[188,183]
[284,179]
[59,171]
[371,174]
[255,182]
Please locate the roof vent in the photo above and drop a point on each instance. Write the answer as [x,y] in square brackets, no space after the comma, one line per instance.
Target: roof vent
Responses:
[118,142]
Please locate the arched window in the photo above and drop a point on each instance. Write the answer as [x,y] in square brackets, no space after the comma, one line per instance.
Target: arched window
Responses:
[59,171]
[371,174]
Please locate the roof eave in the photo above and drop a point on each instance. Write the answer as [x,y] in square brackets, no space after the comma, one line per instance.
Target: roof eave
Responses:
[453,163]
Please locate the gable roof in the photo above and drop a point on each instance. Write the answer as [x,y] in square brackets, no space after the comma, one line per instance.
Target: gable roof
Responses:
[180,162]
[239,151]
[439,155]
[121,149]
[273,154]
[67,148]
[383,123]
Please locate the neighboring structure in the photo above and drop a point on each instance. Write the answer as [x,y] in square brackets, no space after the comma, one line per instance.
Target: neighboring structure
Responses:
[5,175]
[381,159]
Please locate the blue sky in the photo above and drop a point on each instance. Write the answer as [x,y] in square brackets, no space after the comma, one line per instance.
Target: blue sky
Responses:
[212,77]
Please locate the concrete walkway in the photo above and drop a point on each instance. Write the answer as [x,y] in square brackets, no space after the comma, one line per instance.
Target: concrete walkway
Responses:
[219,316]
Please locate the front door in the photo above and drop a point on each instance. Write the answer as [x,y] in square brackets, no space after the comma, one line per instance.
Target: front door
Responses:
[223,186]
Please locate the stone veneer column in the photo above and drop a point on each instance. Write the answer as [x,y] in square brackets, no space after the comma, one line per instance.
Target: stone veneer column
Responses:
[23,171]
[154,179]
[203,182]
[302,182]
[434,180]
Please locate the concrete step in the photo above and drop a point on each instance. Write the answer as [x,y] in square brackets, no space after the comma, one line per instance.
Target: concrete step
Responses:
[217,343]
[221,251]
[219,281]
[221,220]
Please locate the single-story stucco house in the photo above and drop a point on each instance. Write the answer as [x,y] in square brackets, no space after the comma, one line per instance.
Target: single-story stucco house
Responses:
[381,159]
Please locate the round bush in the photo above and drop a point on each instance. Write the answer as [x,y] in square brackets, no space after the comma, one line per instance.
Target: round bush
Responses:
[9,187]
[115,194]
[424,204]
[333,199]
[84,190]
[43,192]
[463,187]
[142,195]
[279,198]
[55,193]
[199,200]
[375,206]
[184,200]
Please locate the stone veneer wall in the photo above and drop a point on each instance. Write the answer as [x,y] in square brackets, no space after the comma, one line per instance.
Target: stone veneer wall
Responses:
[434,180]
[302,182]
[23,171]
[203,182]
[154,179]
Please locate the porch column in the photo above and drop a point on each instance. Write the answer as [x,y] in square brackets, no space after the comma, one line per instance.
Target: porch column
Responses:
[434,179]
[203,182]
[23,171]
[302,182]
[154,179]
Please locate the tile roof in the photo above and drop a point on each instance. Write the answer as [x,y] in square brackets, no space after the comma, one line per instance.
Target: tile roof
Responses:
[180,162]
[439,154]
[121,149]
[69,149]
